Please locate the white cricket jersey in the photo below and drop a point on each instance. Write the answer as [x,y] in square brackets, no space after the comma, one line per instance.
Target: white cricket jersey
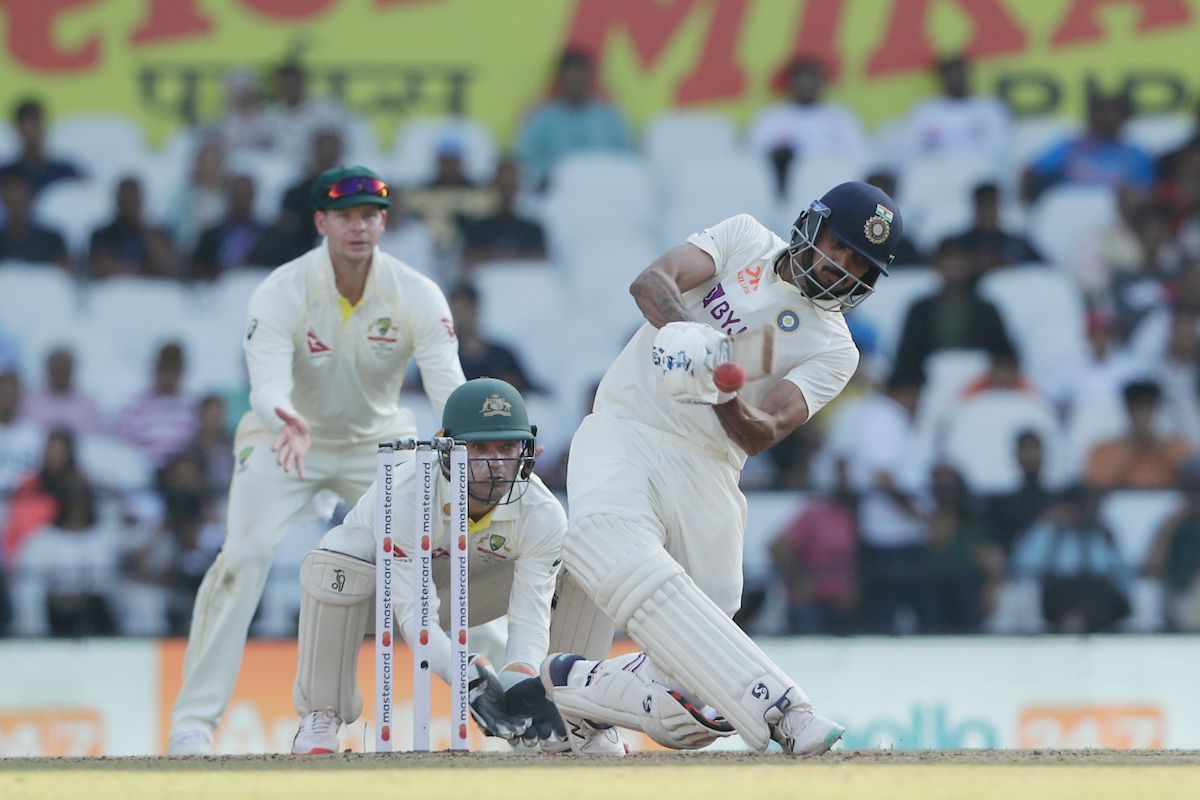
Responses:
[522,540]
[344,375]
[813,348]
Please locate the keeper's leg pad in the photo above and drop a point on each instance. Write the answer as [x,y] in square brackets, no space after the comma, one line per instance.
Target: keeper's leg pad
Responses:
[577,625]
[335,603]
[619,691]
[686,634]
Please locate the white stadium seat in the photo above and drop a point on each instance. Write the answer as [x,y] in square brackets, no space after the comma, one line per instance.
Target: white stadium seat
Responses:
[947,375]
[114,463]
[523,305]
[75,209]
[599,197]
[273,175]
[981,437]
[1065,214]
[1043,312]
[934,188]
[10,144]
[810,178]
[1134,519]
[701,195]
[1160,133]
[417,143]
[674,139]
[104,145]
[38,308]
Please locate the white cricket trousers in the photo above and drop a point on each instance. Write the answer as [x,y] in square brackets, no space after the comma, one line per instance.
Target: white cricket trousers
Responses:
[681,496]
[264,502]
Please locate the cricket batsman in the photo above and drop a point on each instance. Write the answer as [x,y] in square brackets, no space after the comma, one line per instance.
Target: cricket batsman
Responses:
[329,337]
[656,516]
[516,527]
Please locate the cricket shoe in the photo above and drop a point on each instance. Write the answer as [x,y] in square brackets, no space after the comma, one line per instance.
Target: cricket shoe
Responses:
[318,734]
[194,742]
[799,731]
[586,738]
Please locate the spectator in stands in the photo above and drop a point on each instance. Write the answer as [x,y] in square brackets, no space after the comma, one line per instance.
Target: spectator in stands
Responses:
[1085,582]
[1099,157]
[32,163]
[59,404]
[1174,557]
[230,243]
[162,421]
[20,440]
[179,549]
[214,443]
[964,568]
[34,502]
[70,567]
[201,202]
[480,356]
[1140,459]
[1177,371]
[957,123]
[1114,249]
[954,317]
[806,126]
[575,119]
[1010,514]
[503,234]
[986,243]
[906,251]
[449,198]
[816,558]
[130,245]
[294,117]
[21,238]
[245,126]
[1149,282]
[407,237]
[877,465]
[293,234]
[1003,375]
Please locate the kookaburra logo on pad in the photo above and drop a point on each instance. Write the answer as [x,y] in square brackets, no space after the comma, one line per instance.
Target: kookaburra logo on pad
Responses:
[496,406]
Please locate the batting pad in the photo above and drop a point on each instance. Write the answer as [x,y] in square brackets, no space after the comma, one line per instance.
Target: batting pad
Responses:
[577,625]
[615,692]
[334,608]
[685,633]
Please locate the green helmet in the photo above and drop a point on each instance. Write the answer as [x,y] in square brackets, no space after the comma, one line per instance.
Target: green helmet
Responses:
[486,410]
[492,410]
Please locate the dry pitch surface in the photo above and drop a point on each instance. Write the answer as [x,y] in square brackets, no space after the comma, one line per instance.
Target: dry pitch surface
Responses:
[921,775]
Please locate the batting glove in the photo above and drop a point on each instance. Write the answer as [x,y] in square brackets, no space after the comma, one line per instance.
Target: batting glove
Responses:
[684,354]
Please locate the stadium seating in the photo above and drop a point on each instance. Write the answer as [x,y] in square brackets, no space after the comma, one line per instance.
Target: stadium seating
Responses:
[599,197]
[39,308]
[104,145]
[700,195]
[810,178]
[75,209]
[417,143]
[947,375]
[1044,314]
[114,464]
[935,194]
[1033,135]
[1134,519]
[981,436]
[10,144]
[674,139]
[1065,214]
[886,309]
[1160,133]
[273,175]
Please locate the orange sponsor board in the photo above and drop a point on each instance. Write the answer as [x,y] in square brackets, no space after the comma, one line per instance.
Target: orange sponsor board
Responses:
[1113,726]
[260,717]
[57,732]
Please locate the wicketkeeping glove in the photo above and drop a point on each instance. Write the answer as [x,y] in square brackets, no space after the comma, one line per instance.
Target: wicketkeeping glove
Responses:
[526,697]
[489,705]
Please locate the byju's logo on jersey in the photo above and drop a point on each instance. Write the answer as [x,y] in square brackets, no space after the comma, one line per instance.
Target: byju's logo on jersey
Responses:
[721,310]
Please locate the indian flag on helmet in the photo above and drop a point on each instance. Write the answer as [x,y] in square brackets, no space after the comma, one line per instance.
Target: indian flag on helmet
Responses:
[880,211]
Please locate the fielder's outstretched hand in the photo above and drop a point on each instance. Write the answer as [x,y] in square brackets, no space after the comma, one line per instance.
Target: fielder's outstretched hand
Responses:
[489,706]
[292,442]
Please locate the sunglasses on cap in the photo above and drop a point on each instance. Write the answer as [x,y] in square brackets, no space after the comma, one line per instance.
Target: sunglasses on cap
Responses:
[351,187]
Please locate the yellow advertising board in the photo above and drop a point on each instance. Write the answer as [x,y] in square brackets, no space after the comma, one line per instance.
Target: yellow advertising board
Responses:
[162,61]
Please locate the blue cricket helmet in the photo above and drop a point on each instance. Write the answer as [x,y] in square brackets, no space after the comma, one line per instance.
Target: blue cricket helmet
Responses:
[863,218]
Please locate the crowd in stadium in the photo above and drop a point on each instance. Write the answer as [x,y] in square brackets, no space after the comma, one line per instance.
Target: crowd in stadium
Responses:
[1017,453]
